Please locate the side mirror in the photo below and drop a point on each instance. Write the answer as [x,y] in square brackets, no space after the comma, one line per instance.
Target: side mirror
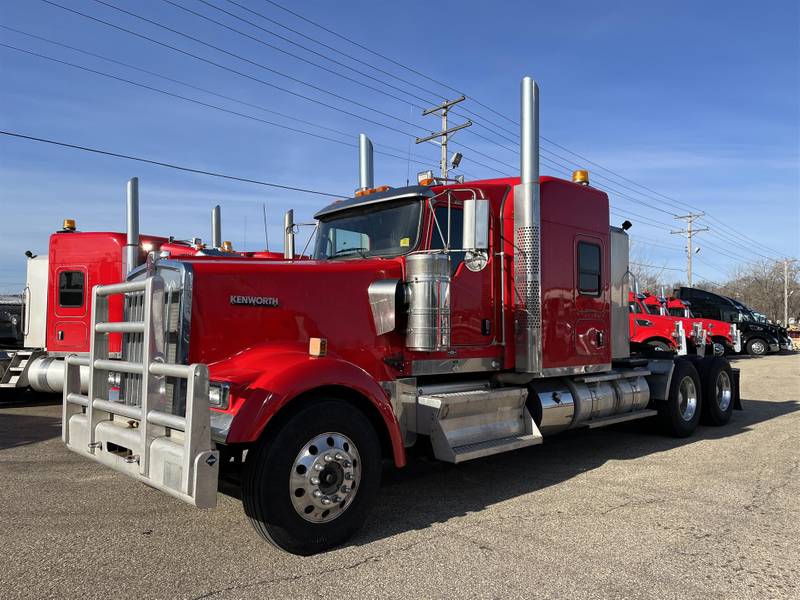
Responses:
[476,224]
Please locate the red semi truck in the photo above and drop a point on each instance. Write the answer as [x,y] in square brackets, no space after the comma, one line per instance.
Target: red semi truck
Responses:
[56,303]
[478,317]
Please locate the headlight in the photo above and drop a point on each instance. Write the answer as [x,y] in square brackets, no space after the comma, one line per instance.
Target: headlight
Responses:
[219,394]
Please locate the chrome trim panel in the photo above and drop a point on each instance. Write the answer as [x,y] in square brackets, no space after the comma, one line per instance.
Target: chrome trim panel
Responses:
[453,365]
[578,370]
[384,301]
[620,327]
[403,396]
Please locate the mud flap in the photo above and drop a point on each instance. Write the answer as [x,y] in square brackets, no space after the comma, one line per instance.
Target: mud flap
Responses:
[737,399]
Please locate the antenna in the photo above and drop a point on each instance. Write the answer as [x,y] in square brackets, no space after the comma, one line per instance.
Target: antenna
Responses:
[445,133]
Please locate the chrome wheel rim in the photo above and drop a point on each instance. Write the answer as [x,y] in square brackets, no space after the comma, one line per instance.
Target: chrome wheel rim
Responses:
[325,477]
[724,390]
[687,398]
[719,349]
[758,347]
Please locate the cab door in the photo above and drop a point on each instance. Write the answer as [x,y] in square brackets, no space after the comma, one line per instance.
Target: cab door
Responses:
[591,308]
[472,318]
[70,310]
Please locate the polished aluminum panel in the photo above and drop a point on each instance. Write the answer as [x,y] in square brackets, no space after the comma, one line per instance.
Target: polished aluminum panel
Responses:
[620,330]
[384,301]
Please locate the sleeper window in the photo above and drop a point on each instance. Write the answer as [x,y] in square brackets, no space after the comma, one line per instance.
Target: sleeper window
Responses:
[70,289]
[588,269]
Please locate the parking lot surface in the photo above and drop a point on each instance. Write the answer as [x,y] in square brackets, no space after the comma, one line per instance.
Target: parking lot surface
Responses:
[621,512]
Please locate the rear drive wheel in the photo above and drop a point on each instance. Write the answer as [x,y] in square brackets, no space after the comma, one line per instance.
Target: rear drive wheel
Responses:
[309,487]
[680,414]
[717,392]
[756,347]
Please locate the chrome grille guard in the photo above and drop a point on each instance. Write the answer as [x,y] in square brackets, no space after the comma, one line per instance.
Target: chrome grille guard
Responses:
[170,452]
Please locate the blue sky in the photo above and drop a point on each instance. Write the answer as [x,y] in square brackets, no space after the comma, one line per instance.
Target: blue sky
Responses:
[699,101]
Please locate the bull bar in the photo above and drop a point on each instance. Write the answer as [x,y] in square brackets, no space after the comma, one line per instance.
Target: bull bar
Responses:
[170,452]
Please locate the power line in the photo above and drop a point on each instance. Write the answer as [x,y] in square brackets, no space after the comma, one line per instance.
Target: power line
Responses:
[637,264]
[252,62]
[503,116]
[213,93]
[168,165]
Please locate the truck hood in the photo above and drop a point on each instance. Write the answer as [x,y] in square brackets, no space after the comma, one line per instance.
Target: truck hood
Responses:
[238,305]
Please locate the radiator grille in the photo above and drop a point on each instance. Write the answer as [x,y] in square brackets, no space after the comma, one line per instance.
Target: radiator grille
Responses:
[132,347]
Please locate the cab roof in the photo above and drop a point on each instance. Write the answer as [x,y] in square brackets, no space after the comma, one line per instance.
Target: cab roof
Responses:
[400,193]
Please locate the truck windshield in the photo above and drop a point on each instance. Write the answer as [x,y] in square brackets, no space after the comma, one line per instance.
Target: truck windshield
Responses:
[385,229]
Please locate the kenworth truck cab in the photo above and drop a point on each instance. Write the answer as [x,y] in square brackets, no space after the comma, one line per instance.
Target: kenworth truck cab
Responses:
[475,317]
[651,330]
[54,313]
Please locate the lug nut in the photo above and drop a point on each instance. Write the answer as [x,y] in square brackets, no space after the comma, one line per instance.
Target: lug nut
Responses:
[347,464]
[317,494]
[348,476]
[336,499]
[326,501]
[339,456]
[328,458]
[345,489]
[318,467]
[315,480]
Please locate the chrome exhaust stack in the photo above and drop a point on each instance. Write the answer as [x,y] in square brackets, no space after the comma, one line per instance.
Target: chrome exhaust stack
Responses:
[366,167]
[527,220]
[288,234]
[216,227]
[130,252]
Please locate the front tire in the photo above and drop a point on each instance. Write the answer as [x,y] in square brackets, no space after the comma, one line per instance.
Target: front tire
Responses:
[309,487]
[717,392]
[680,414]
[757,347]
[720,348]
[659,346]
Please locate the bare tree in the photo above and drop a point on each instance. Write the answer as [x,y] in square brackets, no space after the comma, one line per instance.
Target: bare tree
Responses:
[759,285]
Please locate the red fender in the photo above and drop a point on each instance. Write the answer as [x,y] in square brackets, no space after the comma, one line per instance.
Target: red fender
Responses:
[281,374]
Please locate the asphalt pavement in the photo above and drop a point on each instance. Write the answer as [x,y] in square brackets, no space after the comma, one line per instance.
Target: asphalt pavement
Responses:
[620,512]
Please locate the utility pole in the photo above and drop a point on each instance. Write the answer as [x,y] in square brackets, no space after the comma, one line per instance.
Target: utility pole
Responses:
[786,292]
[445,133]
[689,232]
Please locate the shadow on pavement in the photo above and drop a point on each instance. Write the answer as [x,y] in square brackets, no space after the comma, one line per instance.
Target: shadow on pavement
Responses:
[29,428]
[434,492]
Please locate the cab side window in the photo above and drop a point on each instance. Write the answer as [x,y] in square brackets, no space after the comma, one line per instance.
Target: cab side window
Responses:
[70,289]
[589,269]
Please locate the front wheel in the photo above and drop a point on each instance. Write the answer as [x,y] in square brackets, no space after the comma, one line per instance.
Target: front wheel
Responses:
[309,487]
[720,348]
[756,347]
[680,414]
[658,346]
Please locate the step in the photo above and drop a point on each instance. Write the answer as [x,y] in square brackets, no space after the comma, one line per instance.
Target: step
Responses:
[472,423]
[496,446]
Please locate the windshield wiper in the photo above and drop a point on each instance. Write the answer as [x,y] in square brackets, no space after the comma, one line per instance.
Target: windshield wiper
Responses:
[345,251]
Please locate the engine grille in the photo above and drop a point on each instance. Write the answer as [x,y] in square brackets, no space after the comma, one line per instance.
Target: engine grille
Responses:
[130,389]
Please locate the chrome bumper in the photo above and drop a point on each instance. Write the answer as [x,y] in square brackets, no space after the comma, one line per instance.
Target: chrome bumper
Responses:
[172,453]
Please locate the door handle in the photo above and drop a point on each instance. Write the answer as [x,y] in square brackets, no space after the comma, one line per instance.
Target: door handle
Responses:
[60,335]
[601,339]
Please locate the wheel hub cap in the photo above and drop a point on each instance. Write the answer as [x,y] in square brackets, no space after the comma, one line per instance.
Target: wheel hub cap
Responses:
[325,477]
[724,391]
[688,398]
